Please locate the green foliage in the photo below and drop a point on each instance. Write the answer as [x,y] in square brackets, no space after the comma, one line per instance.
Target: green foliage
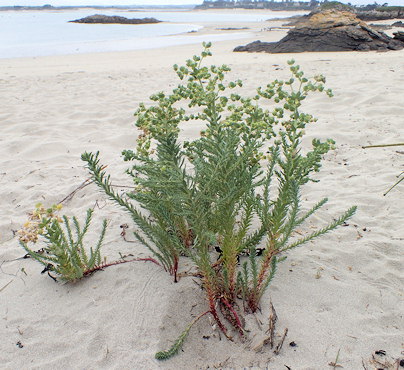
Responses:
[231,193]
[399,9]
[64,253]
[157,230]
[335,5]
[165,355]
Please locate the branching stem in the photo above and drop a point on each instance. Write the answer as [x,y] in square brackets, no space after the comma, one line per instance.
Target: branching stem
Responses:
[105,265]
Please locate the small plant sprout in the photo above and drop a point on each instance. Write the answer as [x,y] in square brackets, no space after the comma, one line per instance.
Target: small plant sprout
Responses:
[64,253]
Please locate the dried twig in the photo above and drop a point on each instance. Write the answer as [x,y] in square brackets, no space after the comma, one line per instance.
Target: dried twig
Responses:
[25,256]
[259,323]
[5,286]
[86,183]
[272,322]
[81,186]
[381,145]
[392,187]
[105,265]
[189,273]
[335,363]
[123,186]
[280,344]
[123,233]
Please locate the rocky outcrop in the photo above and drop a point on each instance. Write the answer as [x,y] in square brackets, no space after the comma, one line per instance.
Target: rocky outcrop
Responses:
[328,30]
[363,15]
[377,15]
[232,28]
[379,26]
[399,35]
[398,24]
[99,18]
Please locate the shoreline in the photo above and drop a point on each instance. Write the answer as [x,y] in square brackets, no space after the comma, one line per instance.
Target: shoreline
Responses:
[251,30]
[190,32]
[244,31]
[173,9]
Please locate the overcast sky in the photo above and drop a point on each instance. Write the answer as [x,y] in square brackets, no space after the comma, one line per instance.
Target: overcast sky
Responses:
[150,2]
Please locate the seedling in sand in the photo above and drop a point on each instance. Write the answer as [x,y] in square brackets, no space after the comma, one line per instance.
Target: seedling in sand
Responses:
[64,253]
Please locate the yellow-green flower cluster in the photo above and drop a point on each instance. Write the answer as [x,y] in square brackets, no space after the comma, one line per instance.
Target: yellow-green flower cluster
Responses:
[37,220]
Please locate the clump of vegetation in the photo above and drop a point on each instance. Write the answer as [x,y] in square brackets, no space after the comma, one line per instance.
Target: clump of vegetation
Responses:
[399,9]
[160,229]
[336,5]
[232,194]
[64,253]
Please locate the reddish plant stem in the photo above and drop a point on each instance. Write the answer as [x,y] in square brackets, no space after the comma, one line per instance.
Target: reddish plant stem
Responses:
[213,311]
[175,269]
[253,296]
[212,308]
[105,265]
[235,315]
[147,259]
[252,302]
[199,317]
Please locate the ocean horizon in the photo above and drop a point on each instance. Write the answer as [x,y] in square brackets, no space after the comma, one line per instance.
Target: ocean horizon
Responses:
[48,32]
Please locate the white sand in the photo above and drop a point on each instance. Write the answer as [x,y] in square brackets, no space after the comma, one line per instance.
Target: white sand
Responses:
[342,293]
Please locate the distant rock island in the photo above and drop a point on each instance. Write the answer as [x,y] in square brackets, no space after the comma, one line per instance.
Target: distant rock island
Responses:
[99,18]
[371,12]
[381,14]
[329,30]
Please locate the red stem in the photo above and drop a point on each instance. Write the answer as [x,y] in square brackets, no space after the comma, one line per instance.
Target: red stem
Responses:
[232,310]
[175,269]
[217,319]
[147,259]
[104,265]
[211,300]
[255,294]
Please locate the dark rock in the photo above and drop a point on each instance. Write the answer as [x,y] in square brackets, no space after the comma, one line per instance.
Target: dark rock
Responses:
[256,47]
[295,20]
[376,15]
[380,27]
[99,18]
[232,28]
[398,24]
[399,35]
[328,30]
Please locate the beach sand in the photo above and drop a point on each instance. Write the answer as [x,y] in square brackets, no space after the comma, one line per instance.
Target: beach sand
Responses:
[341,296]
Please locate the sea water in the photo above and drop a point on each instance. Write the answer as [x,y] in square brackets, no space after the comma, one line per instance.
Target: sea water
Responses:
[48,32]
